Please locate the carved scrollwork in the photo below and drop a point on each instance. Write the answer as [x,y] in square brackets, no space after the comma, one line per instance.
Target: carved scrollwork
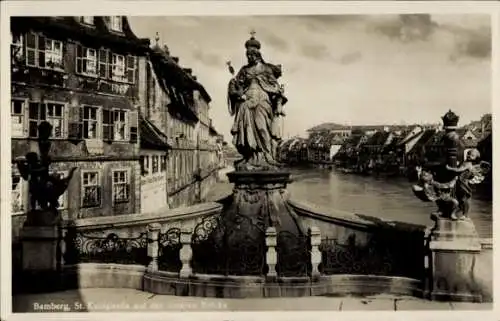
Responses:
[349,258]
[109,249]
[205,228]
[233,247]
[168,250]
[252,196]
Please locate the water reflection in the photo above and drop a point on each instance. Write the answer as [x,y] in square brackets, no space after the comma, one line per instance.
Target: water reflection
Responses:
[387,198]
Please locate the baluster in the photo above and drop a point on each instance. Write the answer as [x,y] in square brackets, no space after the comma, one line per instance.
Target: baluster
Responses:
[62,245]
[271,255]
[186,253]
[315,235]
[153,245]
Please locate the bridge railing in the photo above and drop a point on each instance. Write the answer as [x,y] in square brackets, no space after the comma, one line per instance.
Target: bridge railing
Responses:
[201,250]
[191,242]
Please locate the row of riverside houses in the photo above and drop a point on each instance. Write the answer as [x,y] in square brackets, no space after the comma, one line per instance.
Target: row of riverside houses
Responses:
[134,123]
[323,143]
[393,150]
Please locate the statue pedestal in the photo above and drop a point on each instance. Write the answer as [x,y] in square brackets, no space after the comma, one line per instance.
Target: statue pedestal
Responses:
[455,246]
[259,201]
[262,197]
[40,237]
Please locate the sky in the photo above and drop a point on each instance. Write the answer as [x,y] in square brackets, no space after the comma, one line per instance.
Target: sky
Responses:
[349,69]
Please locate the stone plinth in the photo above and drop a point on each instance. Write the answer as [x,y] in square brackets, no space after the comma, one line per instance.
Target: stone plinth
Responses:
[455,246]
[40,237]
[259,201]
[262,196]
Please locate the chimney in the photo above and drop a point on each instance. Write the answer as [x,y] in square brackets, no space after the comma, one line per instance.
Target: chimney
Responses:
[195,78]
[189,71]
[176,59]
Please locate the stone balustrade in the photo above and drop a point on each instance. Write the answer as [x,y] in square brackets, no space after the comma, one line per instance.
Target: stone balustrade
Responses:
[341,253]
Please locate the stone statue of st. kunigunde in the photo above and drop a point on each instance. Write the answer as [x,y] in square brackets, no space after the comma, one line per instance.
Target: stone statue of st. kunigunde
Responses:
[256,99]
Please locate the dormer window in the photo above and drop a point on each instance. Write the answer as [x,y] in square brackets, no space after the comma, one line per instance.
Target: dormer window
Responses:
[88,20]
[115,23]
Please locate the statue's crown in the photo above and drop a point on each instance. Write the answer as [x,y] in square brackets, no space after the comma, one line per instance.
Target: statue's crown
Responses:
[252,42]
[450,120]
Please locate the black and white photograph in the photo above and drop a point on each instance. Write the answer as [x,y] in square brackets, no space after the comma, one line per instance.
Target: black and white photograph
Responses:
[290,162]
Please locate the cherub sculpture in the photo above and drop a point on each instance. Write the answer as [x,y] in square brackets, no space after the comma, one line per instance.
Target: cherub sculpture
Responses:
[452,197]
[449,184]
[44,188]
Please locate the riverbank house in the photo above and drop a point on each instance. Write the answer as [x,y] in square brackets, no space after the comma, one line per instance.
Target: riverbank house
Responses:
[178,106]
[80,74]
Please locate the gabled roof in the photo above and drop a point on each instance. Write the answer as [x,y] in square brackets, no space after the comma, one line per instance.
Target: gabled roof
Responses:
[213,131]
[355,140]
[437,138]
[172,73]
[408,136]
[151,137]
[425,138]
[97,35]
[378,138]
[487,140]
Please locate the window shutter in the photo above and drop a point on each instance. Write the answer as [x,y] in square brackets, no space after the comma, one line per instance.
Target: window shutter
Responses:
[31,41]
[103,63]
[110,64]
[98,193]
[79,60]
[107,125]
[75,123]
[133,123]
[130,72]
[41,51]
[43,112]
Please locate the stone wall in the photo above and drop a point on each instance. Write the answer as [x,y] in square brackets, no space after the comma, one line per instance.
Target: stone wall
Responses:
[133,224]
[357,244]
[357,240]
[483,272]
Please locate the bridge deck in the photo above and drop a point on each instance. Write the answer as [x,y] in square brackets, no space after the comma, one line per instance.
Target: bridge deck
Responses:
[119,300]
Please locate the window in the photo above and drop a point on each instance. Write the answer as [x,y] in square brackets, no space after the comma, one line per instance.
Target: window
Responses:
[56,118]
[91,189]
[115,125]
[89,20]
[17,46]
[53,53]
[86,61]
[155,164]
[118,67]
[144,165]
[120,125]
[44,52]
[104,61]
[115,23]
[131,69]
[120,186]
[163,163]
[17,197]
[17,117]
[90,122]
[50,112]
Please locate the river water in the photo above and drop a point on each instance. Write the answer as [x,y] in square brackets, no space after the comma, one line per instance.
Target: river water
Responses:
[388,198]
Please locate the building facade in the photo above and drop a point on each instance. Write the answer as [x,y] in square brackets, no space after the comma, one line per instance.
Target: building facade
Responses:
[177,106]
[80,74]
